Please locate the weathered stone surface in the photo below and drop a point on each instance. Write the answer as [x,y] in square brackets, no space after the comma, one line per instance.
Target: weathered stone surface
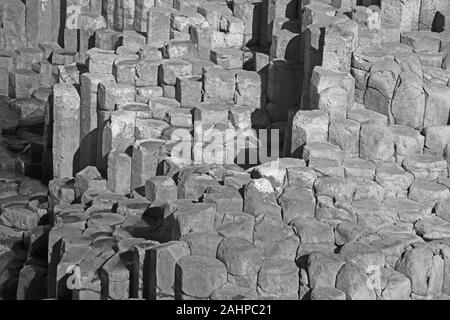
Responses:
[341,38]
[239,256]
[329,293]
[336,188]
[233,292]
[66,130]
[408,210]
[352,280]
[238,225]
[416,264]
[428,193]
[194,218]
[381,86]
[322,269]
[203,244]
[19,217]
[376,141]
[373,214]
[161,272]
[426,167]
[311,231]
[301,176]
[407,141]
[395,285]
[282,242]
[296,203]
[393,179]
[405,14]
[308,126]
[408,102]
[421,41]
[345,134]
[362,255]
[259,197]
[432,229]
[199,276]
[357,92]
[145,161]
[358,168]
[436,139]
[161,189]
[278,278]
[442,209]
[215,78]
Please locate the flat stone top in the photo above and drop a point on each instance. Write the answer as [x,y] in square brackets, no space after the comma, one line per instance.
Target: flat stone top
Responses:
[7,53]
[199,61]
[163,180]
[64,52]
[193,78]
[115,86]
[208,7]
[405,204]
[404,130]
[214,106]
[90,14]
[162,10]
[389,168]
[100,53]
[165,101]
[227,51]
[395,47]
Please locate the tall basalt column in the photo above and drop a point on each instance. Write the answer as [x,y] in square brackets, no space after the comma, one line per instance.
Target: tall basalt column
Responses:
[6,65]
[158,27]
[66,131]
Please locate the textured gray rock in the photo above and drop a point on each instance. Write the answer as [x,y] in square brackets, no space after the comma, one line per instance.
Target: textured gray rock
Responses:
[199,276]
[158,119]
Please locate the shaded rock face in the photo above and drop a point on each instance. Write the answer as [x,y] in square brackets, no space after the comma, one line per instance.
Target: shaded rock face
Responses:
[224,150]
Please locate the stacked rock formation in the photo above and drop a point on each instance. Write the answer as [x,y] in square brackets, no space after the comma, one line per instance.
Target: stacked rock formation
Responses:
[153,115]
